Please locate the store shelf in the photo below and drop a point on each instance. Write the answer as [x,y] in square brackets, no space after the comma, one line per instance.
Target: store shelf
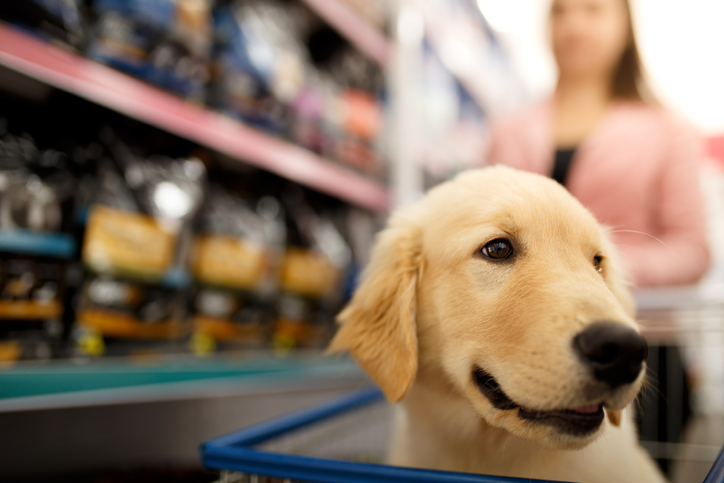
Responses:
[97,83]
[472,54]
[56,245]
[356,30]
[58,384]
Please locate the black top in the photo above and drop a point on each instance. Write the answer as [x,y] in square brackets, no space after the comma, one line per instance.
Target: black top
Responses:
[562,164]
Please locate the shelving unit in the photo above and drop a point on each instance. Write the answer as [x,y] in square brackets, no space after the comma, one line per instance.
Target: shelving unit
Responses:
[359,33]
[102,85]
[64,384]
[57,245]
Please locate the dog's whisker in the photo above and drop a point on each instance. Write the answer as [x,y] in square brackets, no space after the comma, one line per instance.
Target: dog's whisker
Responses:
[642,233]
[639,404]
[649,383]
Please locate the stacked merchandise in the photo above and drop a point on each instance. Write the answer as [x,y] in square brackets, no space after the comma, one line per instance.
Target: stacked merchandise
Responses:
[235,262]
[169,261]
[279,68]
[36,190]
[272,64]
[269,271]
[311,278]
[166,42]
[344,84]
[259,64]
[135,245]
[60,21]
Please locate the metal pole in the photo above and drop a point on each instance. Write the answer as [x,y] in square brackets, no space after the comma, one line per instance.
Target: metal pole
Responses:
[405,82]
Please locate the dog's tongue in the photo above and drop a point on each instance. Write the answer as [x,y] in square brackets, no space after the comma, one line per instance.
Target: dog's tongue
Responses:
[588,408]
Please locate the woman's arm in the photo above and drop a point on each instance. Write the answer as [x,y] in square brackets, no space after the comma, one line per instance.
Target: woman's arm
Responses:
[682,254]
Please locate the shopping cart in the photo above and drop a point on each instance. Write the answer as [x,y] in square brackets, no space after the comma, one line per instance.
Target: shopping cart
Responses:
[343,441]
[681,417]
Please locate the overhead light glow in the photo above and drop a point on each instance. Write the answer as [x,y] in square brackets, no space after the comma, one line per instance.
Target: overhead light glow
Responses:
[171,200]
[500,14]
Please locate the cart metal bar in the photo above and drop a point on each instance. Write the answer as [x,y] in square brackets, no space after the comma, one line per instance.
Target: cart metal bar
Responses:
[302,468]
[716,474]
[235,452]
[271,429]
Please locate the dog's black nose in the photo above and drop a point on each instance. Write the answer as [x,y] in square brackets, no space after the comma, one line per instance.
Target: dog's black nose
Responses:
[614,352]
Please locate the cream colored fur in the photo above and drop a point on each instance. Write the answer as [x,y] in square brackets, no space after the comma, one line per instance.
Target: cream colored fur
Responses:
[430,309]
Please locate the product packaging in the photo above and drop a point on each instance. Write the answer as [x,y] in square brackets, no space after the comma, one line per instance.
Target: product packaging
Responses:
[311,279]
[166,42]
[135,248]
[60,21]
[235,263]
[259,61]
[34,253]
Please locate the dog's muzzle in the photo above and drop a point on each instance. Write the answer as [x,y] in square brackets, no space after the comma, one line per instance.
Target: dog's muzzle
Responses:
[615,356]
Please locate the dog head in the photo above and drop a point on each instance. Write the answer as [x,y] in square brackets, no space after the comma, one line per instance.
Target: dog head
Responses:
[504,285]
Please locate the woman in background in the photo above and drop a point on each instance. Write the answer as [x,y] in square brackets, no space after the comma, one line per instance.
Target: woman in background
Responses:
[634,164]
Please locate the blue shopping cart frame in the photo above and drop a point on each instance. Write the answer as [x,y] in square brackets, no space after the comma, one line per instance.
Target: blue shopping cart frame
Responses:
[235,452]
[716,474]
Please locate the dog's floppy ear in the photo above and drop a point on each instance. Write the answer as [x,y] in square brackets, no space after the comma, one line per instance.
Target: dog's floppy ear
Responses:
[378,325]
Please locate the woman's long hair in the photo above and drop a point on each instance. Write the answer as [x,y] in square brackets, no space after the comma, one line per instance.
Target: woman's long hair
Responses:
[629,82]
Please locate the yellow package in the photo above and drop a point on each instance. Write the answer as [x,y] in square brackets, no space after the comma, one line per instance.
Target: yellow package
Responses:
[121,242]
[307,273]
[229,261]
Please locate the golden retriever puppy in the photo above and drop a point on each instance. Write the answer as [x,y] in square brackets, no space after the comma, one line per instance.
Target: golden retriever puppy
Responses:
[494,310]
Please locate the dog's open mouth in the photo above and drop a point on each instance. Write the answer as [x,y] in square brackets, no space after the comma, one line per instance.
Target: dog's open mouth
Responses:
[577,421]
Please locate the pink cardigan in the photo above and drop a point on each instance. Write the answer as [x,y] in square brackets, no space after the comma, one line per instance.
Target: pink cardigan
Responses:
[638,171]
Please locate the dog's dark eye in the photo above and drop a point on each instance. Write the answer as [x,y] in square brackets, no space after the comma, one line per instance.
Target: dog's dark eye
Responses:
[597,263]
[498,249]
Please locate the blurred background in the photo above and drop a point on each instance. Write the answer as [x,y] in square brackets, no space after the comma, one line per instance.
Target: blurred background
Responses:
[189,190]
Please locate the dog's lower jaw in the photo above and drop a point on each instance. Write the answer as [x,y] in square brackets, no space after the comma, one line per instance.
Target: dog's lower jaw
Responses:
[543,434]
[560,429]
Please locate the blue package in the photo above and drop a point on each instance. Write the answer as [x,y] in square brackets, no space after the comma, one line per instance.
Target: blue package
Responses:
[246,62]
[166,42]
[53,20]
